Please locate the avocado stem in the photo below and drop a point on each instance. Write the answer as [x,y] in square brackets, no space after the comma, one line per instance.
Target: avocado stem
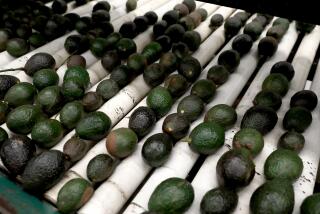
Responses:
[12,69]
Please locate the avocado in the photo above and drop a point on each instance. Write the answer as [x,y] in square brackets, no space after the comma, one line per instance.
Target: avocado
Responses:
[76,44]
[43,171]
[171,17]
[191,4]
[76,148]
[187,23]
[253,29]
[107,89]
[100,16]
[176,84]
[72,19]
[249,139]
[73,195]
[141,23]
[291,140]
[93,126]
[243,16]
[175,32]
[121,75]
[180,50]
[44,78]
[310,204]
[121,142]
[176,126]
[79,74]
[154,74]
[142,121]
[267,46]
[160,101]
[165,42]
[16,152]
[219,201]
[204,89]
[268,99]
[203,13]
[216,21]
[182,9]
[126,47]
[110,60]
[171,196]
[235,169]
[99,47]
[91,101]
[83,25]
[128,30]
[191,107]
[304,27]
[76,60]
[100,168]
[59,6]
[283,22]
[196,18]
[232,26]
[4,110]
[20,94]
[17,47]
[242,44]
[157,149]
[152,17]
[6,82]
[24,31]
[274,196]
[159,28]
[4,37]
[71,113]
[50,100]
[218,74]
[190,68]
[131,5]
[137,63]
[36,40]
[276,32]
[276,83]
[297,119]
[222,114]
[152,52]
[72,89]
[230,59]
[102,5]
[192,39]
[3,136]
[304,98]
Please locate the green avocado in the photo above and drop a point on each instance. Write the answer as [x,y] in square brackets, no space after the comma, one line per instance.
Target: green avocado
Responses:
[222,114]
[250,139]
[50,100]
[17,47]
[268,99]
[4,110]
[71,114]
[218,74]
[160,101]
[311,204]
[44,78]
[176,84]
[6,82]
[176,126]
[72,89]
[126,47]
[3,136]
[121,75]
[154,74]
[297,118]
[20,94]
[190,68]
[205,89]
[192,39]
[285,68]
[137,63]
[276,83]
[191,107]
[291,140]
[152,52]
[254,30]
[100,168]
[79,74]
[107,89]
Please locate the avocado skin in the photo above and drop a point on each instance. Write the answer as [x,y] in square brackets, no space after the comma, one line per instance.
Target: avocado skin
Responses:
[100,168]
[176,84]
[71,113]
[191,107]
[3,135]
[297,118]
[16,152]
[291,140]
[142,121]
[268,99]
[50,100]
[6,82]
[285,68]
[39,61]
[176,126]
[20,94]
[311,204]
[43,171]
[4,110]
[304,98]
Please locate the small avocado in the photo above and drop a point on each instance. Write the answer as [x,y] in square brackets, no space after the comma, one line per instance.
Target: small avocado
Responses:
[230,59]
[39,61]
[142,121]
[176,84]
[126,47]
[160,101]
[182,9]
[165,42]
[232,26]
[169,61]
[191,107]
[121,75]
[91,101]
[6,82]
[191,4]
[253,29]
[243,16]
[218,74]
[205,89]
[71,19]
[73,195]
[43,171]
[102,5]
[37,40]
[100,168]
[72,89]
[304,27]
[310,204]
[83,25]
[283,22]
[268,99]
[20,94]
[76,148]
[137,63]
[267,46]
[222,114]
[107,89]
[180,50]
[216,21]
[175,32]
[128,30]
[157,149]
[190,68]
[291,140]
[79,74]
[4,37]
[192,39]
[99,47]
[304,98]
[276,83]
[276,32]
[176,126]
[71,113]
[17,47]
[187,23]
[152,52]
[171,196]
[284,68]
[152,17]
[100,16]
[154,74]
[76,44]
[203,13]
[159,28]
[121,142]
[16,152]
[50,100]
[297,119]
[218,201]
[4,110]
[76,60]
[59,6]
[171,17]
[250,139]
[93,126]
[3,135]
[242,44]
[235,169]
[110,60]
[44,78]
[131,5]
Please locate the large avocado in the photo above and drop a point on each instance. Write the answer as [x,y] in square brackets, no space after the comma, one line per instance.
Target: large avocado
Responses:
[39,61]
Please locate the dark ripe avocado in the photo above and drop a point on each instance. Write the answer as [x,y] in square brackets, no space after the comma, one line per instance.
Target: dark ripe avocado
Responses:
[203,13]
[44,78]
[4,110]
[206,138]
[50,100]
[17,47]
[243,16]
[154,74]
[192,39]
[171,196]
[16,152]
[93,126]
[3,136]
[260,118]
[182,9]
[152,52]
[218,74]
[79,74]
[73,195]
[43,171]
[190,68]
[222,114]
[205,89]
[121,75]
[72,89]
[152,17]
[304,98]
[176,126]
[100,168]
[159,28]
[76,148]
[59,6]
[216,21]
[267,46]
[275,196]
[232,26]
[304,27]
[175,32]
[131,5]
[254,30]
[99,46]
[110,60]
[156,149]
[39,22]
[268,99]
[71,113]
[126,47]
[276,83]
[230,59]
[47,133]
[191,107]
[39,61]
[165,42]
[107,89]
[142,121]
[102,5]
[180,50]
[76,44]
[191,4]
[171,17]
[37,40]
[310,204]
[297,119]
[219,200]
[169,61]
[121,142]
[72,18]
[99,16]
[250,139]
[291,140]
[141,23]
[83,25]
[91,101]
[112,40]
[128,30]
[137,63]
[76,60]
[20,94]
[6,82]
[276,32]
[160,101]
[187,23]
[176,84]
[242,44]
